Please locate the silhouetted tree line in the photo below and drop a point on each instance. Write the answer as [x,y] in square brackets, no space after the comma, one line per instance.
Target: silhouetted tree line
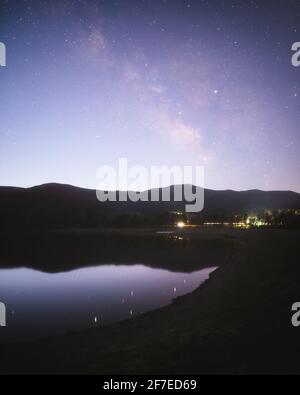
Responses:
[72,217]
[68,218]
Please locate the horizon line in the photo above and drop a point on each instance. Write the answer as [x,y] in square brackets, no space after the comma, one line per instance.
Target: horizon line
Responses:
[145,190]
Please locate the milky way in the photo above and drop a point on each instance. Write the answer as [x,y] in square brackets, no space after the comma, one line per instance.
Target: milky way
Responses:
[160,82]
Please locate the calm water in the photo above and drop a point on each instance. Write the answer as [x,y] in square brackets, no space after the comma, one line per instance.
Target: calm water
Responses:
[40,304]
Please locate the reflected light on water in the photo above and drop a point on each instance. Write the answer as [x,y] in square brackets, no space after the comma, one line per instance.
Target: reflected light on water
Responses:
[42,304]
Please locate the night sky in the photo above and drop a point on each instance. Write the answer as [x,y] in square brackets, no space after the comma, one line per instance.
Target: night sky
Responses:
[169,82]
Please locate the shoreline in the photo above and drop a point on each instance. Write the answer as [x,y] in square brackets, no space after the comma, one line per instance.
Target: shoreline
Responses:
[236,322]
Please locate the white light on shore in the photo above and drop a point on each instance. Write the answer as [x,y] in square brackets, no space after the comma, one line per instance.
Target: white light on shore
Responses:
[181,224]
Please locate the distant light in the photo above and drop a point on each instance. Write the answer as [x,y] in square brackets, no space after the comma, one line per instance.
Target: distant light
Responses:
[181,224]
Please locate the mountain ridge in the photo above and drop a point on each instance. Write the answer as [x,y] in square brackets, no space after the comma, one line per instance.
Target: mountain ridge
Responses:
[55,205]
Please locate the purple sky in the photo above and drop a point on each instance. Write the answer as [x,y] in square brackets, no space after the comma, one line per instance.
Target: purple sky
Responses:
[159,82]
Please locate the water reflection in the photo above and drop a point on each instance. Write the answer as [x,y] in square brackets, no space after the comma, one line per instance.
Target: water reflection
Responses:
[42,304]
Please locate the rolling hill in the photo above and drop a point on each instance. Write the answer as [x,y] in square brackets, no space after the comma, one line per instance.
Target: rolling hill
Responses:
[65,206]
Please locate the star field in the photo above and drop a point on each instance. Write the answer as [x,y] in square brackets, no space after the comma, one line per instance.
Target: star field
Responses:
[170,82]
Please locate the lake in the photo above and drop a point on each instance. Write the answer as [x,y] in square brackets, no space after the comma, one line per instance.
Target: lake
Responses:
[41,304]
